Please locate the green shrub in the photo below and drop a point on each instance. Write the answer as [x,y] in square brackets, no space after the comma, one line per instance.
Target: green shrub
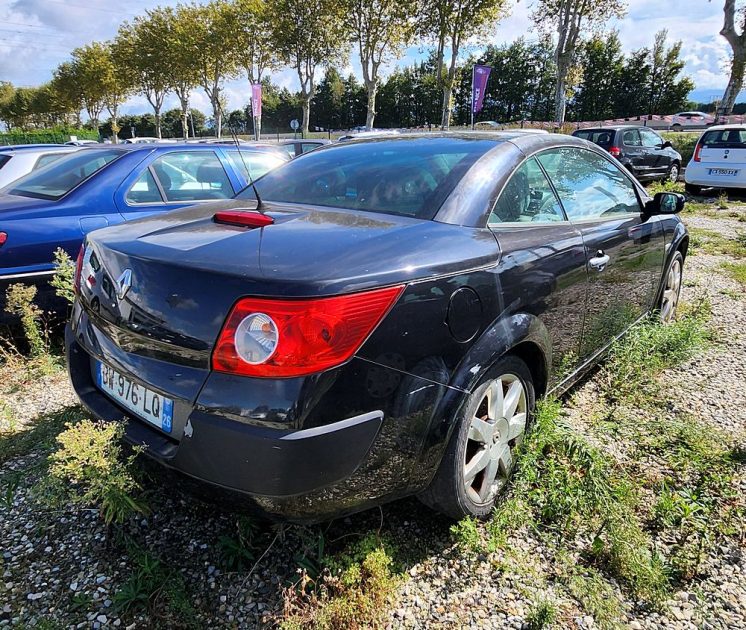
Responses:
[684,142]
[89,469]
[64,275]
[58,135]
[20,302]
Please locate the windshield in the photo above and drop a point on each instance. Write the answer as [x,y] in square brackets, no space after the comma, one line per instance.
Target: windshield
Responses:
[725,138]
[601,137]
[63,175]
[410,177]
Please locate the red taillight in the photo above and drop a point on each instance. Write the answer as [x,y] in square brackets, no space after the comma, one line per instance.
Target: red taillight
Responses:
[295,337]
[78,269]
[615,151]
[3,238]
[243,218]
[698,149]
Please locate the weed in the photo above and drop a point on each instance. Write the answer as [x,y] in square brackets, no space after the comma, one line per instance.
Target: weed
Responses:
[596,596]
[542,615]
[649,348]
[737,271]
[89,469]
[722,201]
[156,588]
[40,435]
[711,242]
[665,186]
[20,302]
[64,275]
[238,552]
[467,535]
[352,592]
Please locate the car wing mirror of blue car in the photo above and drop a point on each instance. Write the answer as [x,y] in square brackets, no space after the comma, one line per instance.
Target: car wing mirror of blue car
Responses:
[665,203]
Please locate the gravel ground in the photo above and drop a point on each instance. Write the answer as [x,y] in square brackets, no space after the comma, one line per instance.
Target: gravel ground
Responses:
[58,570]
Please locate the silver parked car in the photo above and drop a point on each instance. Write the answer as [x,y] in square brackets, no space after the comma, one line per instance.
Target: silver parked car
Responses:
[19,160]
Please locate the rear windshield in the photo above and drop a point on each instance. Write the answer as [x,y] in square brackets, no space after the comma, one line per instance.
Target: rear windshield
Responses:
[726,138]
[4,159]
[63,175]
[602,137]
[409,177]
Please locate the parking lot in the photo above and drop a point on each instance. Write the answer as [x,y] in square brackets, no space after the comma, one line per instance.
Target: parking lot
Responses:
[184,563]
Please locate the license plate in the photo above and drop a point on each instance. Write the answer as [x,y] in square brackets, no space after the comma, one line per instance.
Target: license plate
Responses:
[723,171]
[143,402]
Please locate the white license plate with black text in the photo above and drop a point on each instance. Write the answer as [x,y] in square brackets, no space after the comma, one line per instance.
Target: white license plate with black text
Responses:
[140,400]
[727,172]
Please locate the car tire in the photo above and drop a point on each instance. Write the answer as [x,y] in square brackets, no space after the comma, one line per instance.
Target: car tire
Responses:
[693,189]
[479,458]
[676,128]
[673,172]
[671,292]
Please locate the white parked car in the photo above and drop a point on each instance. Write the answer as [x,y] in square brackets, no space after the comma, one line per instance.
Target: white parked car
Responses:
[719,159]
[689,121]
[19,160]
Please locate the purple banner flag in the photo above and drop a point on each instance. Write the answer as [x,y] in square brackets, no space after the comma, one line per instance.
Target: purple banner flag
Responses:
[478,86]
[256,100]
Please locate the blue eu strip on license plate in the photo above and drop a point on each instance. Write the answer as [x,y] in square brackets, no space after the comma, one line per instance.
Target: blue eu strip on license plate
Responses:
[135,397]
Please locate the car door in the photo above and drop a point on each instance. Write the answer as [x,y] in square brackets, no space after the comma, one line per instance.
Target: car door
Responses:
[174,179]
[656,157]
[542,262]
[624,248]
[634,153]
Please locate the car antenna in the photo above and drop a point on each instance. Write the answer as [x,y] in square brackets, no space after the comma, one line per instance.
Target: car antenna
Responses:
[245,165]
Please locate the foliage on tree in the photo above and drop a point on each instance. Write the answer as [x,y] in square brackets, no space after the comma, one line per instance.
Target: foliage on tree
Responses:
[602,60]
[450,23]
[665,90]
[380,30]
[569,19]
[138,50]
[308,34]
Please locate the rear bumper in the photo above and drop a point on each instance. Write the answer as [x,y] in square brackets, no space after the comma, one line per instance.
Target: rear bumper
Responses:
[302,474]
[699,175]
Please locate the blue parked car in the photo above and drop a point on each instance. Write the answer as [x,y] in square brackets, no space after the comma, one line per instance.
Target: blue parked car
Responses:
[95,187]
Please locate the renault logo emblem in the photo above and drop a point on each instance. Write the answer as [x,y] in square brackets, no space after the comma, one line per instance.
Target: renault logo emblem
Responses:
[124,282]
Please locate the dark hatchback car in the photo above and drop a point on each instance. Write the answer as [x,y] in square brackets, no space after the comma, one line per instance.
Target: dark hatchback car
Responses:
[646,154]
[381,326]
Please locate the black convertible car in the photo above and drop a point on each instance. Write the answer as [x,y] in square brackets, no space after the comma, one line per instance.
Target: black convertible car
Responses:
[380,324]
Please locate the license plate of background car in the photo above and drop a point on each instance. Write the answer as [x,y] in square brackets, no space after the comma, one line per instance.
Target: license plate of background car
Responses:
[723,171]
[140,400]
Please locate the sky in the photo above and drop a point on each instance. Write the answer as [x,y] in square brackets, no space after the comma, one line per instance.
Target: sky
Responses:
[37,35]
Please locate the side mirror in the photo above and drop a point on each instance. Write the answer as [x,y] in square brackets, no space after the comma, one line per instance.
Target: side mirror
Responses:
[665,203]
[666,145]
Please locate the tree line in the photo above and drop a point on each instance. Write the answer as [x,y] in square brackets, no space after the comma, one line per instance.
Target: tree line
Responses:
[575,71]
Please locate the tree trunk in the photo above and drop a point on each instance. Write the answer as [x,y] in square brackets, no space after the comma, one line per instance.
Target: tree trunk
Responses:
[560,90]
[445,119]
[735,83]
[184,116]
[372,89]
[306,98]
[157,111]
[217,115]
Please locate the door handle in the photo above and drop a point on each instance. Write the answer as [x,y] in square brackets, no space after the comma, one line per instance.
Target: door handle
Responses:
[599,261]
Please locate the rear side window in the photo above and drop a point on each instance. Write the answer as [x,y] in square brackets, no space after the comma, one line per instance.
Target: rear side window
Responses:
[63,174]
[589,186]
[527,198]
[252,165]
[631,138]
[4,159]
[144,190]
[309,146]
[602,137]
[192,176]
[725,138]
[47,158]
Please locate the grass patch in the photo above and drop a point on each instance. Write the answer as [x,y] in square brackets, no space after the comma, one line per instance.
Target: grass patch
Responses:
[737,271]
[649,348]
[157,589]
[711,242]
[354,589]
[41,435]
[596,596]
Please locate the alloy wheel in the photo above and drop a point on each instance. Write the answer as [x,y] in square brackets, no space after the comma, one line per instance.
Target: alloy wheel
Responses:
[671,291]
[495,430]
[673,174]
